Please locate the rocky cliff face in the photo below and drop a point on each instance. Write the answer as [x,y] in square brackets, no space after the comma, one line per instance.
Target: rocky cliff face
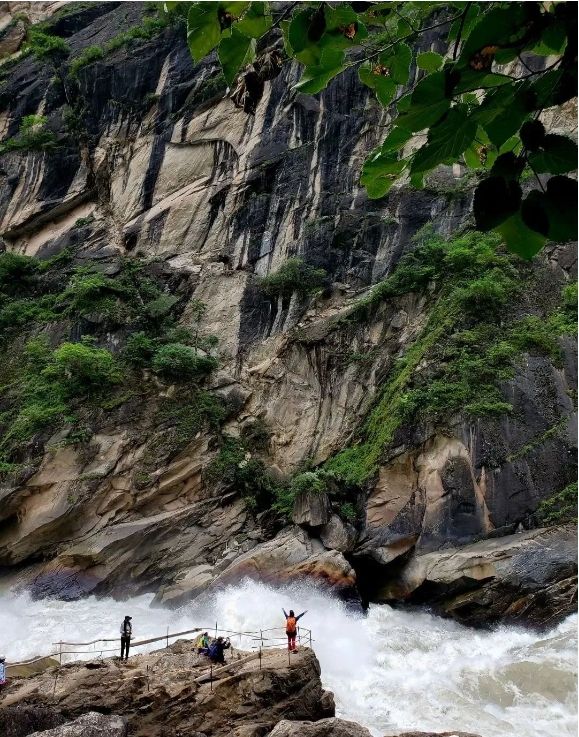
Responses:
[145,160]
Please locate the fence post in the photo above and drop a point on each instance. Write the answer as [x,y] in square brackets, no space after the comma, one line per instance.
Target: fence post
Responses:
[60,653]
[215,630]
[310,639]
[167,635]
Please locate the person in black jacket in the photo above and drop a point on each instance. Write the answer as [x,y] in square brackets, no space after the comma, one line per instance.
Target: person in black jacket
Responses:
[126,633]
[217,648]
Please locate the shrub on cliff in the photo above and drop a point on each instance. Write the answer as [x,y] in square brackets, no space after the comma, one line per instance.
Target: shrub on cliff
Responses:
[32,136]
[182,362]
[294,276]
[235,467]
[16,272]
[82,368]
[47,47]
[559,508]
[309,481]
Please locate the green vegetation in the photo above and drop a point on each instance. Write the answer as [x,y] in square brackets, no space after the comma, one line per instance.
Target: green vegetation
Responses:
[293,276]
[559,508]
[44,390]
[150,27]
[465,351]
[303,482]
[539,440]
[255,435]
[348,512]
[235,467]
[32,136]
[46,46]
[87,56]
[473,106]
[182,362]
[44,386]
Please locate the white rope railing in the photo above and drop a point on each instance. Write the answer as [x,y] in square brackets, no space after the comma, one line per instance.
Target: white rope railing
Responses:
[98,651]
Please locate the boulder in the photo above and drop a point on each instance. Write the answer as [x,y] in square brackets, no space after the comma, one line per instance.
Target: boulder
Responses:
[332,727]
[293,556]
[92,724]
[338,535]
[23,719]
[529,577]
[311,509]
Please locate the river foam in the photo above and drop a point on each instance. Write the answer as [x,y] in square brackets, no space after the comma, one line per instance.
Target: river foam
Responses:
[391,670]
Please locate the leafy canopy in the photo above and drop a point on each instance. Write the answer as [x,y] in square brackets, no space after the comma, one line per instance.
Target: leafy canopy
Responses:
[476,100]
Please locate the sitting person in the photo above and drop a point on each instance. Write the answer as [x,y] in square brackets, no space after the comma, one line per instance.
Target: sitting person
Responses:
[202,644]
[217,648]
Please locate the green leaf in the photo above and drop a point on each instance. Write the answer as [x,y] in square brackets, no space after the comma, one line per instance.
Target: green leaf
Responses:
[428,103]
[315,78]
[503,112]
[561,207]
[379,173]
[384,87]
[429,61]
[553,40]
[534,212]
[495,200]
[256,21]
[446,140]
[395,140]
[519,238]
[466,24]
[339,16]
[509,166]
[558,155]
[471,79]
[203,29]
[532,134]
[235,51]
[398,62]
[500,26]
[306,51]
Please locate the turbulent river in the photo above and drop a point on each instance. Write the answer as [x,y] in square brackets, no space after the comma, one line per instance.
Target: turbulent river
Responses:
[390,670]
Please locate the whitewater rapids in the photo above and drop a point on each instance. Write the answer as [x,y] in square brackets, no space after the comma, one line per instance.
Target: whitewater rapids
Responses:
[391,670]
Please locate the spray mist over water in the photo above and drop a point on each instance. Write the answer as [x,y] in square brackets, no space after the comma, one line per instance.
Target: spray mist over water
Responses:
[390,670]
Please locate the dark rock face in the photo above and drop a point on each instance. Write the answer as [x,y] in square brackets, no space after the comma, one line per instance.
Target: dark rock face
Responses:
[24,719]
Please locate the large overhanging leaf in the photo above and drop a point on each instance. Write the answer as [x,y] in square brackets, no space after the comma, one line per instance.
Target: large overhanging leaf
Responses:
[235,51]
[380,172]
[315,78]
[446,140]
[203,29]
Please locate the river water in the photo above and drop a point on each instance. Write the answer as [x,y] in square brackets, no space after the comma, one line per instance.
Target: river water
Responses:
[391,670]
